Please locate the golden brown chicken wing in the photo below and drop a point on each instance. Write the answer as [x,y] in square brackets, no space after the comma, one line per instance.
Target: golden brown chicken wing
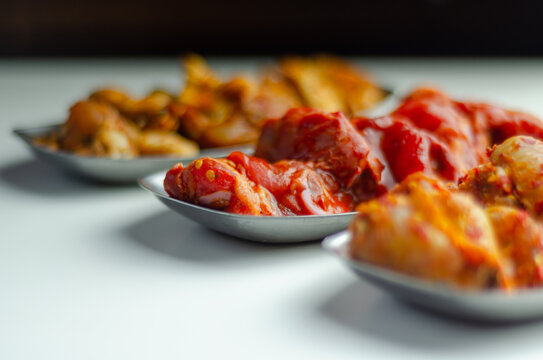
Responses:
[97,128]
[218,113]
[330,84]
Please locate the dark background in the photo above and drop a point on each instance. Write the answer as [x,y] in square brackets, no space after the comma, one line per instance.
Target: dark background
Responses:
[167,27]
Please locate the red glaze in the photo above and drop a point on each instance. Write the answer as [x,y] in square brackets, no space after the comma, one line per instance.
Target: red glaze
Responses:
[440,116]
[402,149]
[309,162]
[501,124]
[328,140]
[247,185]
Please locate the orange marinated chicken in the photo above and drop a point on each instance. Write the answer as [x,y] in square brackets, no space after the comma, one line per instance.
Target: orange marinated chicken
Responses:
[514,176]
[210,111]
[222,113]
[429,133]
[520,239]
[424,229]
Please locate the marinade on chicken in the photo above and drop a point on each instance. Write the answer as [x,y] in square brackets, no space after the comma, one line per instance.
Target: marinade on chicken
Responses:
[247,185]
[96,128]
[424,229]
[209,111]
[429,133]
[513,176]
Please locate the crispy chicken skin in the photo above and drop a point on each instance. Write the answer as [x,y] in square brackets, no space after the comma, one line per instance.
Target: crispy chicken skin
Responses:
[423,229]
[512,177]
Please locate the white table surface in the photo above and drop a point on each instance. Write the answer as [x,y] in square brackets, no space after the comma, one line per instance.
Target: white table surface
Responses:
[97,272]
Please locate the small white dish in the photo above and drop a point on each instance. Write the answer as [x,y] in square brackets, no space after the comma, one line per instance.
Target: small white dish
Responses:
[109,169]
[484,305]
[268,229]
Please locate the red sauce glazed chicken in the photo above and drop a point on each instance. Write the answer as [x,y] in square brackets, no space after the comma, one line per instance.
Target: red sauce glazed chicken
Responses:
[313,163]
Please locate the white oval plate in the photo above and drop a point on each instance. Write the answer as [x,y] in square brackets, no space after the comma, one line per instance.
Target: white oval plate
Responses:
[109,169]
[489,305]
[270,229]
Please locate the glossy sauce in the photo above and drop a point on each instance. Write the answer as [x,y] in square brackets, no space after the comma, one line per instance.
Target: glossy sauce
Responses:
[309,162]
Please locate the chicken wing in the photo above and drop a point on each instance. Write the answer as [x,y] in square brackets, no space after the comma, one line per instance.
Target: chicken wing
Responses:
[97,128]
[424,230]
[512,177]
[247,185]
[520,239]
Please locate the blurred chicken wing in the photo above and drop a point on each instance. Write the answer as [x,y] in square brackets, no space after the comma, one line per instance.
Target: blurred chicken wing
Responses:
[512,177]
[97,128]
[520,239]
[213,112]
[217,113]
[330,84]
[424,230]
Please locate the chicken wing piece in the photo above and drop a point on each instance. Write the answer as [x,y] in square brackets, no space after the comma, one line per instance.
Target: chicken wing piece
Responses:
[211,111]
[490,184]
[221,113]
[98,128]
[520,239]
[513,176]
[216,184]
[95,128]
[424,230]
[148,113]
[157,142]
[328,140]
[247,185]
[312,84]
[330,84]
